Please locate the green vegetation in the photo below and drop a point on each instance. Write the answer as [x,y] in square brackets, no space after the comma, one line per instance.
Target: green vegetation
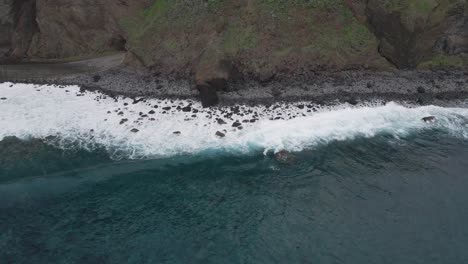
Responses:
[238,39]
[444,61]
[324,32]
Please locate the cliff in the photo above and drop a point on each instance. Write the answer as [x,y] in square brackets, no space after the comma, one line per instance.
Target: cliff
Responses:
[262,38]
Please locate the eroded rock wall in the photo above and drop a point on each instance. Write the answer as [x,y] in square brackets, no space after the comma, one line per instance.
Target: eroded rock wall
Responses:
[6,26]
[264,38]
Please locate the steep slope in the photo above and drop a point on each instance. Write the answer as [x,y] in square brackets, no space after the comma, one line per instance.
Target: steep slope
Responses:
[263,38]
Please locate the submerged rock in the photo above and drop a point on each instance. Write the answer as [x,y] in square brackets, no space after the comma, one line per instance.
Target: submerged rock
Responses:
[285,157]
[429,119]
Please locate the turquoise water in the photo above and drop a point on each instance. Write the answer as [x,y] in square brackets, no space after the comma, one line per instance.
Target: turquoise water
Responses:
[365,184]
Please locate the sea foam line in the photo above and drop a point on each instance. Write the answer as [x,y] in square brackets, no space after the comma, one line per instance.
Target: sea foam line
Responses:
[150,128]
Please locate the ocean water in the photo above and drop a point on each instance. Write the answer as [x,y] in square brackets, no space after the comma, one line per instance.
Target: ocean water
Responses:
[86,178]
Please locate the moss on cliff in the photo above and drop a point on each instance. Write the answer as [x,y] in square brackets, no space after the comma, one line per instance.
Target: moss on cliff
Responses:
[271,34]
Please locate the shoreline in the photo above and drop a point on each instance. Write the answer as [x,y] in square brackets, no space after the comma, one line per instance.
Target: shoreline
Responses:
[325,88]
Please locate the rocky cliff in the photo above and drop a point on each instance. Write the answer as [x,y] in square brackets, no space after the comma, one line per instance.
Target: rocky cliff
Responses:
[214,39]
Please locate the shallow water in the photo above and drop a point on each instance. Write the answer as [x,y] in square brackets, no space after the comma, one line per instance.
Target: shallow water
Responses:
[368,184]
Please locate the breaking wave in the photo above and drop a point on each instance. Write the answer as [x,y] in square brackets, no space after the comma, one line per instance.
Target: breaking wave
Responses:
[150,128]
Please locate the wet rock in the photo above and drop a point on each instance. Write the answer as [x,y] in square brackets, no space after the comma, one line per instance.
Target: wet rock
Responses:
[187,109]
[429,119]
[136,101]
[220,134]
[208,95]
[221,121]
[351,100]
[236,124]
[285,157]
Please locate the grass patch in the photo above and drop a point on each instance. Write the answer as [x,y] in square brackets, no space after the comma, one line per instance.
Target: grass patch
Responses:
[239,39]
[444,61]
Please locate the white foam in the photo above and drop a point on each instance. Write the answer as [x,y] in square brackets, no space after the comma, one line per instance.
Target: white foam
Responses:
[42,111]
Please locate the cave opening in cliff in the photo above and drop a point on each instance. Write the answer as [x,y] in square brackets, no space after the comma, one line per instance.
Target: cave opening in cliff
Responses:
[118,43]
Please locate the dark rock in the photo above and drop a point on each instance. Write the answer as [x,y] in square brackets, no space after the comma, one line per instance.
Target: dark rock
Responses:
[176,133]
[120,113]
[220,134]
[236,124]
[421,89]
[208,95]
[429,119]
[351,100]
[96,78]
[3,98]
[136,101]
[187,109]
[134,130]
[167,108]
[123,121]
[152,112]
[221,121]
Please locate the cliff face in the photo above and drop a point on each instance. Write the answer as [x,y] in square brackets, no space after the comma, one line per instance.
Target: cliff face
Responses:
[53,29]
[260,37]
[6,27]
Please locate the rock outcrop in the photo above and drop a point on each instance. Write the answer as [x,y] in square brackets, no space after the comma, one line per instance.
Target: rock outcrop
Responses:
[408,31]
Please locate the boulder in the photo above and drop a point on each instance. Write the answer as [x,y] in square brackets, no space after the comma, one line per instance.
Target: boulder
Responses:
[208,95]
[220,134]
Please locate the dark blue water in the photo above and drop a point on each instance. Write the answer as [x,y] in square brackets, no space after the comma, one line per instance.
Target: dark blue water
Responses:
[368,200]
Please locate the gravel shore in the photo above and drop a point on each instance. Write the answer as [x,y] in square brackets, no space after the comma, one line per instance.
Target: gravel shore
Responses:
[421,87]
